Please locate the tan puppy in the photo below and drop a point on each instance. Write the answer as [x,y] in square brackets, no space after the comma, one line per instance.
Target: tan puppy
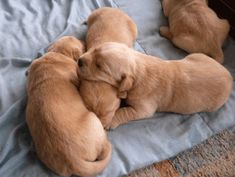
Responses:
[110,25]
[68,138]
[106,24]
[194,27]
[68,46]
[99,97]
[194,84]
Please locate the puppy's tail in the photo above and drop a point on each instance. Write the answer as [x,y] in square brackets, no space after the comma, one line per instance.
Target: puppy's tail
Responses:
[91,168]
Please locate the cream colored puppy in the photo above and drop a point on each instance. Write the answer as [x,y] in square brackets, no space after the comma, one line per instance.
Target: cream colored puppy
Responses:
[194,27]
[68,138]
[106,24]
[194,84]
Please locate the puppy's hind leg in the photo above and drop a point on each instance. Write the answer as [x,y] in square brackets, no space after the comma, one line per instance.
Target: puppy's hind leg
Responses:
[186,43]
[165,32]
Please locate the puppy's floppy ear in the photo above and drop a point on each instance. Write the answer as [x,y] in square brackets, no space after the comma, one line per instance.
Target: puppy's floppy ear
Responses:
[126,83]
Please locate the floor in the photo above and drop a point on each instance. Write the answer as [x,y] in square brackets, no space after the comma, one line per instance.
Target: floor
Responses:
[213,158]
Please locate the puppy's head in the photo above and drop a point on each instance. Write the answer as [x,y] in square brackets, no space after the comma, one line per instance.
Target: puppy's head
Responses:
[68,46]
[113,63]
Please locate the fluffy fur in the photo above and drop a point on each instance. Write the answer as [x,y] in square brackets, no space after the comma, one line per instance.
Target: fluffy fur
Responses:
[68,138]
[194,27]
[194,84]
[110,25]
[68,46]
[106,24]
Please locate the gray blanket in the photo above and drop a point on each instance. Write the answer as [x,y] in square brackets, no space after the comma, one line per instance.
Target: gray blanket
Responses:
[28,27]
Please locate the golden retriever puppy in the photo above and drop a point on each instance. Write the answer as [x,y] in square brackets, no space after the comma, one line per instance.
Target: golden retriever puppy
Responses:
[194,84]
[68,138]
[108,24]
[99,97]
[194,27]
[68,46]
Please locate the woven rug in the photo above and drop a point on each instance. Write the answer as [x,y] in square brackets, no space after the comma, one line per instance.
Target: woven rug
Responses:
[215,157]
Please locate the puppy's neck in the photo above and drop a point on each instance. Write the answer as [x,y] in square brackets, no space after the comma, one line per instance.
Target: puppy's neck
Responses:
[149,66]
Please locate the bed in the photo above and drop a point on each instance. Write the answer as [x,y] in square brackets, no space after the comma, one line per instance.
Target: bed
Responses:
[26,30]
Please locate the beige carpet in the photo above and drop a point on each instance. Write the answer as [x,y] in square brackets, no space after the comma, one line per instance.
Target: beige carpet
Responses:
[213,158]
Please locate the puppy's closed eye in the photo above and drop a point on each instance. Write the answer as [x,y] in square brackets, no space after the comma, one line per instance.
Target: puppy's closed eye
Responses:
[102,67]
[98,64]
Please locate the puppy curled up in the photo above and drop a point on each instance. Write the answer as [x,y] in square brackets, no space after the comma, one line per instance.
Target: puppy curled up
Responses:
[194,27]
[194,84]
[68,138]
[106,25]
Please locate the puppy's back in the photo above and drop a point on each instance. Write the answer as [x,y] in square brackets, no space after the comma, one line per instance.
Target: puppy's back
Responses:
[110,25]
[205,78]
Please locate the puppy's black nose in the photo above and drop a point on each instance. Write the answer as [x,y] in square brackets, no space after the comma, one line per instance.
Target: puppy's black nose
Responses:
[80,62]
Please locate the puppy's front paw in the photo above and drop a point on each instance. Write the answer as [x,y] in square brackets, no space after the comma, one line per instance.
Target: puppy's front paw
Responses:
[114,124]
[111,126]
[106,126]
[106,122]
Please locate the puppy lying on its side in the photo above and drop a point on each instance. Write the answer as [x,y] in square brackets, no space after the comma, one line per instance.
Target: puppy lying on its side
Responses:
[194,27]
[106,24]
[194,84]
[68,138]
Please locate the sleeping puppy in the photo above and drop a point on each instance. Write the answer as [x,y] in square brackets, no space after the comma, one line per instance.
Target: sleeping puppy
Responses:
[68,46]
[194,27]
[110,25]
[99,97]
[106,24]
[194,84]
[68,138]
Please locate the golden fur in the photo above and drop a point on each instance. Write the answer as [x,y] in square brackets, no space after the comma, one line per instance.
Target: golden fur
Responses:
[194,27]
[68,138]
[68,46]
[106,24]
[100,98]
[110,25]
[194,84]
